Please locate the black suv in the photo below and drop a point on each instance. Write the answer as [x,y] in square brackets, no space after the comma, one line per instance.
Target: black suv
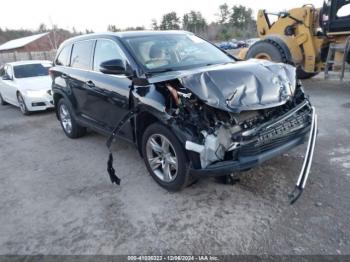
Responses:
[192,109]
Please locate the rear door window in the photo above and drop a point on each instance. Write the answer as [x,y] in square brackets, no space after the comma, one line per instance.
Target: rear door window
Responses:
[81,54]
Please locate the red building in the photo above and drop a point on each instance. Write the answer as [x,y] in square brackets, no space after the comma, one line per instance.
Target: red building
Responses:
[33,43]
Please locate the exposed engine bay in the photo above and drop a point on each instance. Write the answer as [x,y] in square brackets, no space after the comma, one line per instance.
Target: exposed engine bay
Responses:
[219,135]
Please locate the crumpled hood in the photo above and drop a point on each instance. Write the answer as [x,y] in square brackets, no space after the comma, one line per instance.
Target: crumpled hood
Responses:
[247,85]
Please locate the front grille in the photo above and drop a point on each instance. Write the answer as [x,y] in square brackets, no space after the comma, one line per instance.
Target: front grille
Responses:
[38,104]
[295,126]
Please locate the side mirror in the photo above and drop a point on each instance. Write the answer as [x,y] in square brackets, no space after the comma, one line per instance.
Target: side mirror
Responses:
[6,77]
[113,67]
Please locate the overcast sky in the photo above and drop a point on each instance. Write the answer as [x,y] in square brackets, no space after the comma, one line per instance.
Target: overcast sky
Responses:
[97,14]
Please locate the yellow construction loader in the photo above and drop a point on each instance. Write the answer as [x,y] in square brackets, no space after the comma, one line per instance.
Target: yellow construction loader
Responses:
[312,39]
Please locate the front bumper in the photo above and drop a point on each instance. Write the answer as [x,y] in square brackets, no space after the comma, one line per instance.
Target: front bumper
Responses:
[244,163]
[39,103]
[247,162]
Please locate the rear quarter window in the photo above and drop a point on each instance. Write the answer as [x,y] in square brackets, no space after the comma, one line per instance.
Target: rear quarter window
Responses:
[81,54]
[64,56]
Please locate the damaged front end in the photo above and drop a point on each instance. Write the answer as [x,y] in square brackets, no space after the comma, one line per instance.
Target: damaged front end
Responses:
[224,133]
[218,135]
[231,117]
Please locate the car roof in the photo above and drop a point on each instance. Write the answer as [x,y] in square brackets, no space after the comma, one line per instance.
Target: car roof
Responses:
[124,34]
[28,62]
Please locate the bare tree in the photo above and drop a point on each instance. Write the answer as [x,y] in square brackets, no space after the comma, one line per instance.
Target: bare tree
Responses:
[224,14]
[194,22]
[113,28]
[154,24]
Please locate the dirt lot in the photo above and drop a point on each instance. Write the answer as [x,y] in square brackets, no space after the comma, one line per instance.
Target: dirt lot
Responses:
[56,197]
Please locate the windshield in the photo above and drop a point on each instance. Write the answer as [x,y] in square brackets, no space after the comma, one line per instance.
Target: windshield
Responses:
[175,52]
[31,70]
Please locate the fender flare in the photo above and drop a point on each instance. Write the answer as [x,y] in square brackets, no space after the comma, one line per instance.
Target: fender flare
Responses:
[161,118]
[62,94]
[157,111]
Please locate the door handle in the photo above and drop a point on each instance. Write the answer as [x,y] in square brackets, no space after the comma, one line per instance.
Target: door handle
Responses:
[64,76]
[90,84]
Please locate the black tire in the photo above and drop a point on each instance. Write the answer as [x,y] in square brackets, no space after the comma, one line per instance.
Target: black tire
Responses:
[182,178]
[301,74]
[75,131]
[22,105]
[263,49]
[2,101]
[275,54]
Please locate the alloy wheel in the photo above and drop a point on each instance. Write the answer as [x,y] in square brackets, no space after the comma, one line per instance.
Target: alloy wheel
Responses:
[65,118]
[162,158]
[22,104]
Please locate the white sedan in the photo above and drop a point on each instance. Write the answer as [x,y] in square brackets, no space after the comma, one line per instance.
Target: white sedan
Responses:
[26,84]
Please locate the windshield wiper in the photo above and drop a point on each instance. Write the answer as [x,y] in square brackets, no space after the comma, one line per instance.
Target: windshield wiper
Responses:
[225,63]
[160,71]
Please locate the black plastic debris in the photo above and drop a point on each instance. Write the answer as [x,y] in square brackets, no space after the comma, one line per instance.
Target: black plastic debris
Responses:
[110,169]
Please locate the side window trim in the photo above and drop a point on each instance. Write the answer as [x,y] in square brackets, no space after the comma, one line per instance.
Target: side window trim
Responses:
[70,55]
[93,55]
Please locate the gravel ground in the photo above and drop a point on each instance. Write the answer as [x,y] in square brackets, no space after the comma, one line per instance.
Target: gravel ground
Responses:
[56,197]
